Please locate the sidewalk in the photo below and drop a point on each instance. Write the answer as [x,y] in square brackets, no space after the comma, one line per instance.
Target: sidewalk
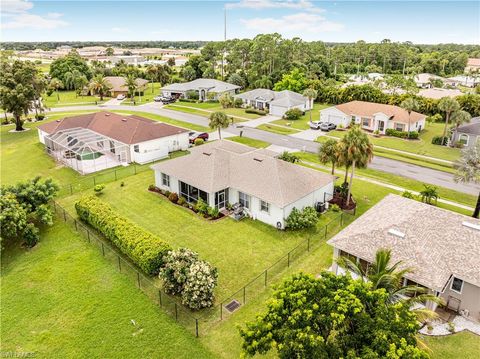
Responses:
[207,111]
[260,121]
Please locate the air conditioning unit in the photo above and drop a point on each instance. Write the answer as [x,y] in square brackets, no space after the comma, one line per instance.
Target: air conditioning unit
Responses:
[465,313]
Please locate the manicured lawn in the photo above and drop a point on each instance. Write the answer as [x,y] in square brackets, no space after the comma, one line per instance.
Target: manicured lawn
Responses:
[205,108]
[277,129]
[249,141]
[147,97]
[69,98]
[62,299]
[463,345]
[302,122]
[45,68]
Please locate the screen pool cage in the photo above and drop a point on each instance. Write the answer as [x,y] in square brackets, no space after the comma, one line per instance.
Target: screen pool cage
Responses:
[86,151]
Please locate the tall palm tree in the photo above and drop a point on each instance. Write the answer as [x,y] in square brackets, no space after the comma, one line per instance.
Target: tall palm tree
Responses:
[468,170]
[311,94]
[152,73]
[131,85]
[100,86]
[357,150]
[328,153]
[218,120]
[448,105]
[56,84]
[409,105]
[382,274]
[460,117]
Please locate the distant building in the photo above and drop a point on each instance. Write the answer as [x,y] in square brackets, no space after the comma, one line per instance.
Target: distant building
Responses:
[117,85]
[473,65]
[467,81]
[203,87]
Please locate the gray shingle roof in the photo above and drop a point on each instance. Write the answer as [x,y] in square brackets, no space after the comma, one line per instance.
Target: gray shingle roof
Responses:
[198,84]
[436,243]
[284,98]
[471,128]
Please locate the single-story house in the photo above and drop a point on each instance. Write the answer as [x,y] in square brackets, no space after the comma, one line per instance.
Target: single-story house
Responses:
[468,81]
[96,141]
[441,247]
[202,86]
[473,65]
[117,85]
[425,80]
[468,134]
[438,93]
[373,116]
[276,102]
[224,172]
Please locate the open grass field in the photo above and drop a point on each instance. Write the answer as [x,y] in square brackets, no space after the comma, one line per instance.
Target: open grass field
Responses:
[302,122]
[205,108]
[62,299]
[69,98]
[148,95]
[465,345]
[249,141]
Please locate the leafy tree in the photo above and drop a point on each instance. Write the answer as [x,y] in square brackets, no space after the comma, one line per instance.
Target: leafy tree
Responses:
[448,105]
[328,153]
[80,83]
[236,79]
[460,117]
[171,61]
[188,73]
[131,85]
[289,157]
[99,86]
[56,84]
[152,73]
[69,63]
[109,51]
[429,194]
[293,114]
[355,150]
[468,170]
[332,317]
[295,81]
[218,120]
[226,100]
[409,105]
[311,94]
[18,88]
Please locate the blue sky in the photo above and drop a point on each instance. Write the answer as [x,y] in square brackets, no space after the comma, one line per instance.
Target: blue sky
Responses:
[335,21]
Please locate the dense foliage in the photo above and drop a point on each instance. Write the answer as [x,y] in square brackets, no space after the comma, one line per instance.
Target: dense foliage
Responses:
[63,68]
[186,275]
[24,206]
[293,114]
[289,157]
[332,317]
[300,219]
[143,248]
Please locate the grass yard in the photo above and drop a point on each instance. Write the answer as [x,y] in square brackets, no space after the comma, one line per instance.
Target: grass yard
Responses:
[249,141]
[302,122]
[69,98]
[277,129]
[205,108]
[147,96]
[63,299]
[465,345]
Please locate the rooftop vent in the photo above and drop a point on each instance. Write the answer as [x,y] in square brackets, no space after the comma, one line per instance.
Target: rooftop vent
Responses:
[258,159]
[207,153]
[472,225]
[396,233]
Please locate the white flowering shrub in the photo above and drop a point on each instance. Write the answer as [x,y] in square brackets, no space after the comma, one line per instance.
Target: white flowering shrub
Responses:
[186,275]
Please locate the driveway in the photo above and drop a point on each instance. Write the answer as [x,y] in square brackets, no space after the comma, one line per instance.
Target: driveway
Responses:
[112,102]
[309,135]
[260,121]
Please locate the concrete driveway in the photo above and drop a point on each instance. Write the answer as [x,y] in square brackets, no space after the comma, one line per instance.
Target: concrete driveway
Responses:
[112,102]
[309,135]
[260,121]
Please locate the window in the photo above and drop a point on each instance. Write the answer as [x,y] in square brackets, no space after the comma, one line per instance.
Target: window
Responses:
[457,285]
[365,122]
[463,139]
[165,180]
[136,148]
[192,194]
[399,126]
[244,199]
[264,206]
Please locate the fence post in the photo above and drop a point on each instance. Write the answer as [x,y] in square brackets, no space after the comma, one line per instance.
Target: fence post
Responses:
[196,327]
[341,219]
[64,215]
[288,264]
[221,311]
[103,250]
[326,229]
[160,297]
[119,264]
[88,235]
[71,189]
[138,280]
[176,312]
[94,181]
[75,222]
[244,296]
[265,277]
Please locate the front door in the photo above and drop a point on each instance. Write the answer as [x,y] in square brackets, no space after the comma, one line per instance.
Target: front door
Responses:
[381,126]
[221,199]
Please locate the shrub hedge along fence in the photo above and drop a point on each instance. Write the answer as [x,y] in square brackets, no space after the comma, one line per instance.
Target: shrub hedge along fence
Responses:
[143,248]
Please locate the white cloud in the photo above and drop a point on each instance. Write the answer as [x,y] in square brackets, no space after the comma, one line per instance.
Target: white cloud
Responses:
[16,15]
[304,22]
[15,6]
[54,15]
[160,32]
[120,30]
[272,4]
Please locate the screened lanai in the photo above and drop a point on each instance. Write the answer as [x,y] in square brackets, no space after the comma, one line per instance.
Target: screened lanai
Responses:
[86,151]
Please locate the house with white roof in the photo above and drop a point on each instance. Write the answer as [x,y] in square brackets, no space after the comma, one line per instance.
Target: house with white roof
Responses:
[202,86]
[441,247]
[224,172]
[425,80]
[275,102]
[467,81]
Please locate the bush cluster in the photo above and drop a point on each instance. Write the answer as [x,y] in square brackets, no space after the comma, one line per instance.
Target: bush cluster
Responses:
[413,135]
[299,219]
[187,100]
[254,110]
[143,248]
[293,114]
[193,279]
[199,141]
[440,140]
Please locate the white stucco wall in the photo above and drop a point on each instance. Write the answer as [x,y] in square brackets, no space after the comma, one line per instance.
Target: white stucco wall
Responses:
[333,115]
[41,136]
[159,148]
[280,111]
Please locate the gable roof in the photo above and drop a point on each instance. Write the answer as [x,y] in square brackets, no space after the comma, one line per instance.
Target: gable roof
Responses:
[436,243]
[473,127]
[212,85]
[369,109]
[223,164]
[473,62]
[117,83]
[285,98]
[128,129]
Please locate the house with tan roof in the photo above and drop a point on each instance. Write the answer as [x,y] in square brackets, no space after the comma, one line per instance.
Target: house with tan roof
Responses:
[117,85]
[224,172]
[96,141]
[373,117]
[473,65]
[441,247]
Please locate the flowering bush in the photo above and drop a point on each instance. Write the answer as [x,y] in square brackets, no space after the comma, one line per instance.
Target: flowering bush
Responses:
[305,218]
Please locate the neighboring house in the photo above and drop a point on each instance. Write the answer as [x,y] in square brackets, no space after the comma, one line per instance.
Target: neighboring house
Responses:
[425,80]
[117,85]
[224,172]
[275,102]
[469,134]
[438,93]
[373,116]
[441,247]
[127,59]
[203,87]
[95,141]
[473,65]
[467,81]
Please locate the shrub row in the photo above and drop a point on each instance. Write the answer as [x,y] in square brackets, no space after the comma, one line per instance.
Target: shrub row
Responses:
[299,219]
[187,100]
[413,135]
[142,247]
[254,110]
[440,140]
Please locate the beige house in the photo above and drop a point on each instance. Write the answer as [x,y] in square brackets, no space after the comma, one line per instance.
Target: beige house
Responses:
[117,85]
[442,248]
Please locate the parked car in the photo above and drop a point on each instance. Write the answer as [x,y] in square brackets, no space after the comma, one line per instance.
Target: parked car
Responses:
[192,136]
[121,97]
[315,125]
[164,99]
[327,126]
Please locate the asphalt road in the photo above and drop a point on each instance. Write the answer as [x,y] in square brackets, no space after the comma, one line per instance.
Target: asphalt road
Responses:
[422,174]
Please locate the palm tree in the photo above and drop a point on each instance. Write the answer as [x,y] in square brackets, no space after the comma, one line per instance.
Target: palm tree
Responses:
[328,153]
[429,194]
[56,84]
[131,85]
[219,120]
[391,277]
[99,86]
[355,149]
[460,117]
[448,105]
[409,105]
[152,73]
[311,94]
[468,170]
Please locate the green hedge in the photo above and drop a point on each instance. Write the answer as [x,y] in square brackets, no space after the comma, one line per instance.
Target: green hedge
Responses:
[254,110]
[402,134]
[142,247]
